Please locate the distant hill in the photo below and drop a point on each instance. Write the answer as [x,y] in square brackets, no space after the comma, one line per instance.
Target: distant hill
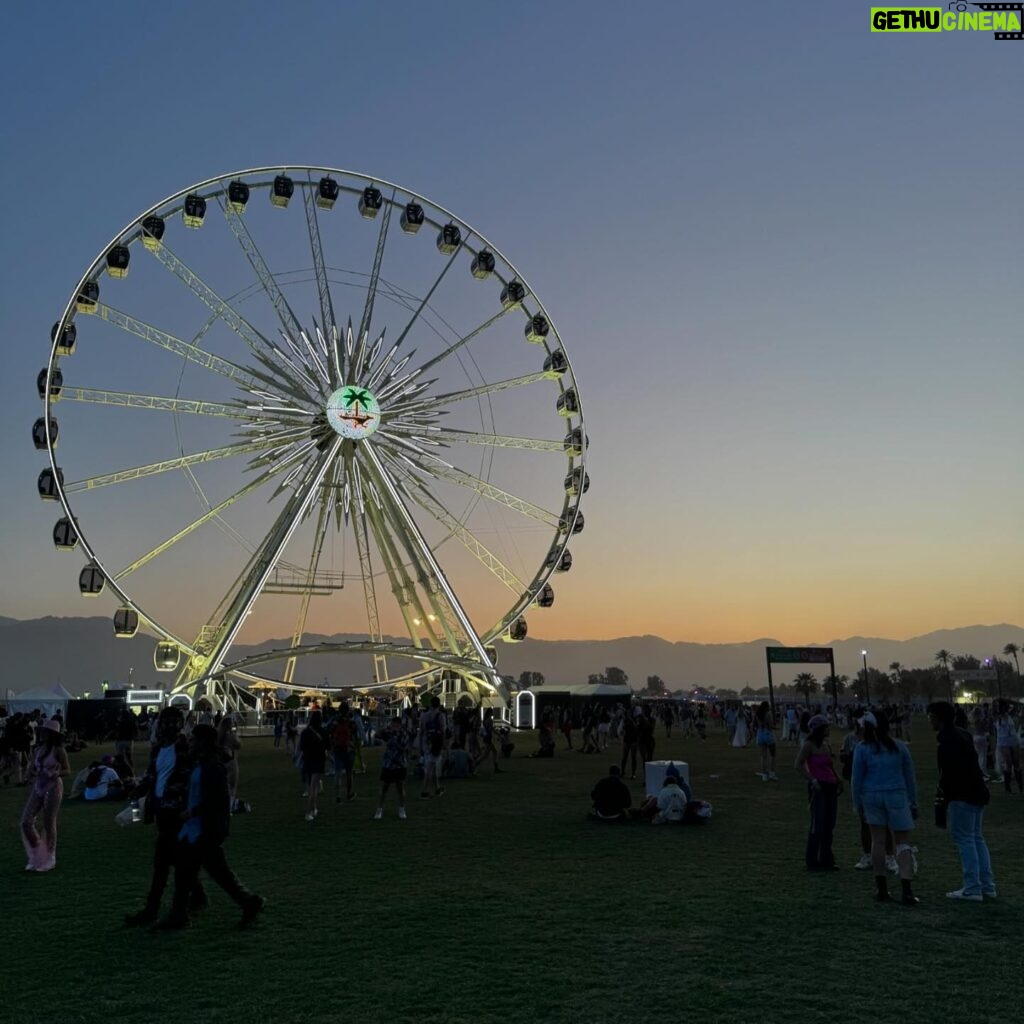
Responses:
[81,652]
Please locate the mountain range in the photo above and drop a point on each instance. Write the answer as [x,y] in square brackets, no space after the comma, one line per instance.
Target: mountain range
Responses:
[80,653]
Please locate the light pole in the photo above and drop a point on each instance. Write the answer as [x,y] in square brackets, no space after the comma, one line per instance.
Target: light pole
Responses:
[867,690]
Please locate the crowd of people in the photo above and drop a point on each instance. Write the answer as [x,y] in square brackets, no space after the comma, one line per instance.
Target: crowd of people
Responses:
[188,785]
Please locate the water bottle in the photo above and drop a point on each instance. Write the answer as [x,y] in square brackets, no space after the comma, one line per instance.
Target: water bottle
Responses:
[136,813]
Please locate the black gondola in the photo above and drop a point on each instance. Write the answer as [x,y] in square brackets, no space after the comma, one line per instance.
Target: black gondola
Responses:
[65,536]
[47,485]
[117,261]
[66,345]
[516,632]
[568,403]
[449,238]
[537,328]
[39,433]
[238,196]
[512,295]
[327,193]
[556,364]
[88,297]
[370,202]
[91,580]
[281,191]
[575,443]
[577,482]
[566,523]
[412,218]
[126,622]
[194,211]
[56,382]
[546,597]
[152,231]
[483,264]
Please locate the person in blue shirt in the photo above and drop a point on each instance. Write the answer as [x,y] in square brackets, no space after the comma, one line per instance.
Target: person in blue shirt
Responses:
[885,795]
[201,838]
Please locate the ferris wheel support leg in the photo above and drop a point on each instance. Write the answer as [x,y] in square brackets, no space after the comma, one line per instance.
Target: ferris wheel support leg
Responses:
[414,532]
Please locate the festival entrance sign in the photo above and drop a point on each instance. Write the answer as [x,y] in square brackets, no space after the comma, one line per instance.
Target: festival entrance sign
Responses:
[800,656]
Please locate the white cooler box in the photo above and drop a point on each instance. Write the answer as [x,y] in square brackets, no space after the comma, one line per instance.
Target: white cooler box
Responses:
[654,775]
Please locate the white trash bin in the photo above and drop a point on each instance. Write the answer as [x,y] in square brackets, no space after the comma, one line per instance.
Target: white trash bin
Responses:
[654,775]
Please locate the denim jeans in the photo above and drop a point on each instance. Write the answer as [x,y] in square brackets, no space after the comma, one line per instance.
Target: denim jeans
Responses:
[964,823]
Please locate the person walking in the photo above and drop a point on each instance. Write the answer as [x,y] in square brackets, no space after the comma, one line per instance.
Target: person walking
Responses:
[228,747]
[433,735]
[817,764]
[342,753]
[207,819]
[125,734]
[765,739]
[1008,748]
[630,743]
[313,749]
[487,740]
[963,795]
[47,769]
[165,789]
[885,794]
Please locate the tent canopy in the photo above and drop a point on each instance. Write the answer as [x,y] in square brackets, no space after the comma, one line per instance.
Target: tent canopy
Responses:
[49,699]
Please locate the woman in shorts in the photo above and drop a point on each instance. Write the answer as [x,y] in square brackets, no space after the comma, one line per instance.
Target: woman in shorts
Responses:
[885,794]
[765,739]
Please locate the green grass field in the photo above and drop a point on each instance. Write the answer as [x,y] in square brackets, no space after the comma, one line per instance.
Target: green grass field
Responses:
[499,902]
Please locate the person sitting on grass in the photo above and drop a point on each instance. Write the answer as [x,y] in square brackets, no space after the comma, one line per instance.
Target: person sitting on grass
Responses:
[611,799]
[103,782]
[673,804]
[545,741]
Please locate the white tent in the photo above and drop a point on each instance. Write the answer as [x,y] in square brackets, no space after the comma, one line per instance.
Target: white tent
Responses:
[49,699]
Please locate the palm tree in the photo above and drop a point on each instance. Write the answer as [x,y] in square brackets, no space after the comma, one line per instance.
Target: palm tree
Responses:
[1011,651]
[943,657]
[806,684]
[897,671]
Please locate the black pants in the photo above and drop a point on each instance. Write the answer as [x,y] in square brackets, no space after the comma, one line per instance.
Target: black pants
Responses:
[627,750]
[165,856]
[190,858]
[824,807]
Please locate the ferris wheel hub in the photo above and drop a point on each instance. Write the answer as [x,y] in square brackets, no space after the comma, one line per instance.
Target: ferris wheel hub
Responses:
[353,412]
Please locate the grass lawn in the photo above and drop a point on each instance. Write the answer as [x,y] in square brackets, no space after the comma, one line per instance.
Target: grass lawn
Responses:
[500,903]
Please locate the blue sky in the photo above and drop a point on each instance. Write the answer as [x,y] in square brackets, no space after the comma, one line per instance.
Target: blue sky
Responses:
[784,254]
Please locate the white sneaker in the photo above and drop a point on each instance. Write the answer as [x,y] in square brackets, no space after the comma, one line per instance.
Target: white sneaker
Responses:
[310,816]
[990,893]
[773,777]
[892,865]
[761,776]
[401,813]
[959,894]
[864,863]
[378,814]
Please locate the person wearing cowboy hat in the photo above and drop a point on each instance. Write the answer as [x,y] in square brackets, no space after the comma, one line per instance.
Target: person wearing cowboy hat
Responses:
[46,775]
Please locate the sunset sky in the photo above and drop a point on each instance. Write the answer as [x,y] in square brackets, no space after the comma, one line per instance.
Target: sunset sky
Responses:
[783,253]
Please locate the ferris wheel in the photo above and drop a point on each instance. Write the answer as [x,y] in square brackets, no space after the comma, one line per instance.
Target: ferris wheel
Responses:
[321,391]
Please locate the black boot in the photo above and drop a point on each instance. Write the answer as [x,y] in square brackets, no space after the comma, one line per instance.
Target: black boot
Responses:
[908,899]
[882,889]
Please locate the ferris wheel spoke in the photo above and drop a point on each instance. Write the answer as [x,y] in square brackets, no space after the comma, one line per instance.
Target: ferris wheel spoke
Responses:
[221,307]
[430,294]
[371,292]
[196,458]
[288,319]
[266,557]
[327,320]
[458,476]
[209,515]
[451,397]
[416,540]
[131,400]
[446,435]
[423,497]
[193,353]
[465,339]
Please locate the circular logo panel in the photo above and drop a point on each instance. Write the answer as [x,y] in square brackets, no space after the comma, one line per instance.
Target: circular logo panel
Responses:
[353,412]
